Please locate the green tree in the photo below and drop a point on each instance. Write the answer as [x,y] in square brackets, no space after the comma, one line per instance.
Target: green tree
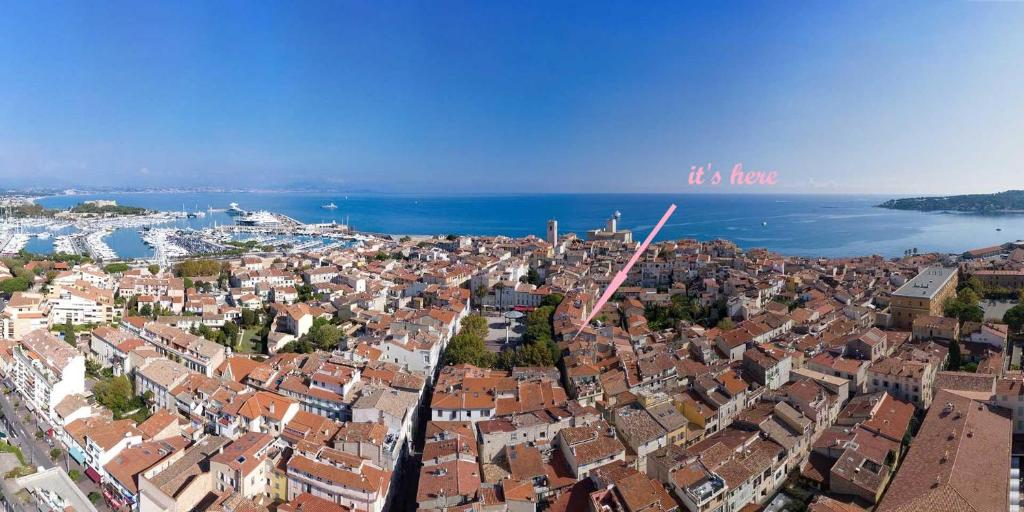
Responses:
[475,325]
[954,356]
[665,317]
[725,324]
[1014,317]
[75,475]
[146,310]
[95,497]
[248,317]
[533,277]
[324,335]
[480,293]
[114,394]
[55,453]
[198,267]
[214,335]
[116,268]
[535,354]
[69,333]
[538,324]
[506,360]
[14,284]
[153,269]
[953,307]
[968,296]
[464,347]
[300,346]
[975,285]
[305,292]
[552,300]
[92,368]
[230,333]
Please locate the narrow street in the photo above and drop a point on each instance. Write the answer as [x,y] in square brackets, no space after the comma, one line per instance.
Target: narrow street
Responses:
[23,436]
[37,452]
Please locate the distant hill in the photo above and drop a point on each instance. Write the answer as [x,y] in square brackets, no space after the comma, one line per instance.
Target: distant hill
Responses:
[1009,201]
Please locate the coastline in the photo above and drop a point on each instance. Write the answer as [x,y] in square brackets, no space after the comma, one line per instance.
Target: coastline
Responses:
[803,225]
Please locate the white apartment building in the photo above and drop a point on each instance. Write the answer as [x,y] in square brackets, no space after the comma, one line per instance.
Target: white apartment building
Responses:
[24,313]
[196,353]
[340,478]
[160,376]
[81,306]
[46,370]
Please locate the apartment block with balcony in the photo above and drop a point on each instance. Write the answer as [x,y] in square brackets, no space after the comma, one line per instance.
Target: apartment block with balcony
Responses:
[194,352]
[45,370]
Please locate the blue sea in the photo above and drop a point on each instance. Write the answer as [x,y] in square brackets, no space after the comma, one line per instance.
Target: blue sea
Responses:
[809,225]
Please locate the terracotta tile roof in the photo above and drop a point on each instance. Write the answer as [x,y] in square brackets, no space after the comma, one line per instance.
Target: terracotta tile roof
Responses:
[365,478]
[455,478]
[103,431]
[891,418]
[260,404]
[160,420]
[52,352]
[966,381]
[823,503]
[945,468]
[524,461]
[244,453]
[591,443]
[127,465]
[306,502]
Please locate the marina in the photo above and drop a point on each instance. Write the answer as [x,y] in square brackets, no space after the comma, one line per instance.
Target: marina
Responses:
[86,243]
[11,243]
[175,243]
[97,248]
[182,232]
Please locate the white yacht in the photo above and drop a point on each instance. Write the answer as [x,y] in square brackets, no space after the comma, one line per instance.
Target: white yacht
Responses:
[259,218]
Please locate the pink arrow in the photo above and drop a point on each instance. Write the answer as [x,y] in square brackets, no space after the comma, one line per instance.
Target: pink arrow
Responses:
[620,276]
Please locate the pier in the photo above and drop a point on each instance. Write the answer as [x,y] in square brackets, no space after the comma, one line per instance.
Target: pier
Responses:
[90,243]
[11,243]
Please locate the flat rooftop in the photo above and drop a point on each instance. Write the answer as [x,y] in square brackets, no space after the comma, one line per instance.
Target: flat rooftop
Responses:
[926,284]
[54,484]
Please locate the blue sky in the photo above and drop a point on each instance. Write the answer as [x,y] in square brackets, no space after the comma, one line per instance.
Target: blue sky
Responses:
[854,97]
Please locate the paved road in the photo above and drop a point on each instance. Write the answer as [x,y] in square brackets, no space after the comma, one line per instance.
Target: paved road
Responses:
[23,436]
[995,309]
[37,453]
[495,341]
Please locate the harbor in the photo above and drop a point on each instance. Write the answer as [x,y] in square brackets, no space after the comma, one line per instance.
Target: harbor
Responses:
[170,235]
[177,232]
[12,242]
[86,243]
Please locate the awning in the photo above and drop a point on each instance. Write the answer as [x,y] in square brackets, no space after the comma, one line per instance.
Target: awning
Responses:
[77,455]
[92,474]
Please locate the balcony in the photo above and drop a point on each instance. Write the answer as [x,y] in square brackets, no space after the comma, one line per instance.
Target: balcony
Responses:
[706,490]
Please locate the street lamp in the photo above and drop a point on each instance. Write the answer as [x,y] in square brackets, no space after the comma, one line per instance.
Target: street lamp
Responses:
[509,317]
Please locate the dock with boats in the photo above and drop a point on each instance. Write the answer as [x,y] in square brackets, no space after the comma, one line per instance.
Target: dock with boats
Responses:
[87,243]
[12,242]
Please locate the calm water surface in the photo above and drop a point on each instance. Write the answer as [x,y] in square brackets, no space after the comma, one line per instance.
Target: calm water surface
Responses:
[810,225]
